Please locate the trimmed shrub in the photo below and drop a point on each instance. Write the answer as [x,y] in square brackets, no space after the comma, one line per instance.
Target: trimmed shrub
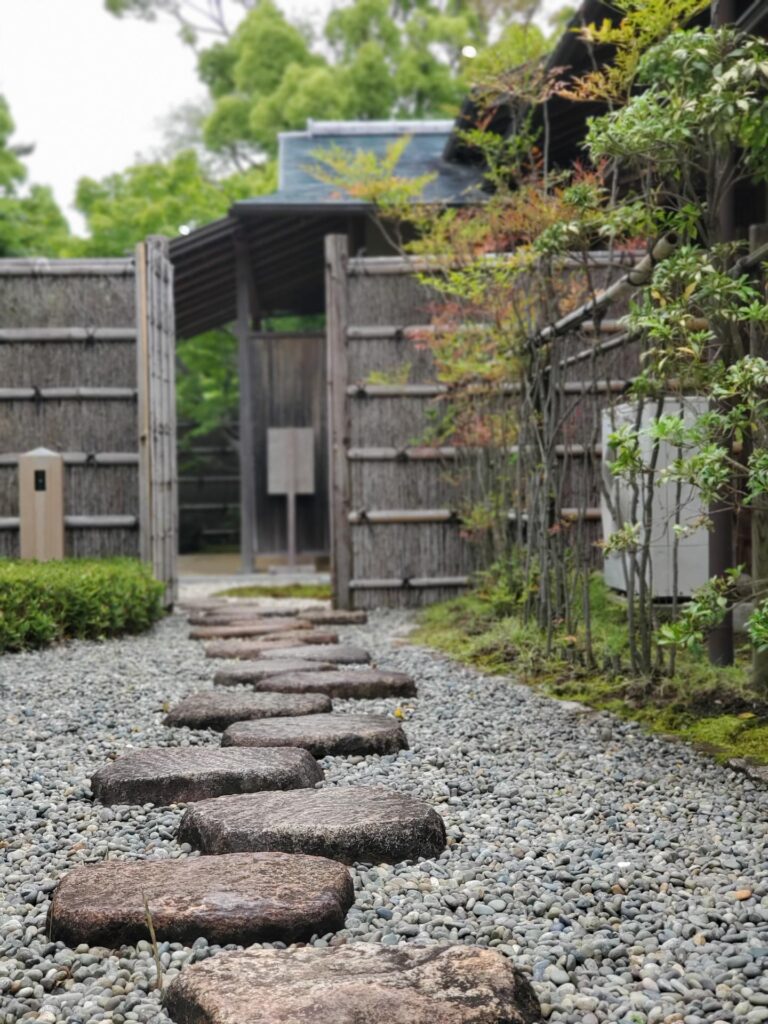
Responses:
[44,602]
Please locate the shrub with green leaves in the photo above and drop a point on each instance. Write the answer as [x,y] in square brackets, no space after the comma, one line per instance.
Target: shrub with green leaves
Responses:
[44,602]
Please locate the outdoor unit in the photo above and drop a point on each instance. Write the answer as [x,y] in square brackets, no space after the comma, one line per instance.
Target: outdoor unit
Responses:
[693,549]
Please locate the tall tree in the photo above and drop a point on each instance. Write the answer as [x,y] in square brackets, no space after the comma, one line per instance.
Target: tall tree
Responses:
[31,223]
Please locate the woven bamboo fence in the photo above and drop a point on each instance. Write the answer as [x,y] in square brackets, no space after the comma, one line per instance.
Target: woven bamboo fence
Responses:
[397,533]
[69,382]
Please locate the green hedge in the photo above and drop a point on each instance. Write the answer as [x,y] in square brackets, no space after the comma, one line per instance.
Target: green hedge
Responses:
[43,602]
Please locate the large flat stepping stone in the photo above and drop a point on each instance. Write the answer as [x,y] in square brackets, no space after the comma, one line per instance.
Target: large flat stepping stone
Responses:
[242,898]
[266,668]
[347,823]
[360,984]
[342,654]
[211,710]
[346,682]
[257,646]
[174,775]
[251,627]
[322,735]
[334,617]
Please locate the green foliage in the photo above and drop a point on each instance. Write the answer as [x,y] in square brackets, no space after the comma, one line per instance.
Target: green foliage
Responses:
[157,199]
[318,591]
[208,386]
[44,602]
[31,223]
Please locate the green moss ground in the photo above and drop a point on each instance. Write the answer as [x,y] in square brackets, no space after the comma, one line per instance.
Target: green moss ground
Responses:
[320,591]
[714,708]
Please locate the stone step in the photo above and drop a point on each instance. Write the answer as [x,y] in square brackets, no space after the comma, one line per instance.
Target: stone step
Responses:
[346,682]
[210,709]
[348,823]
[360,984]
[241,898]
[322,735]
[220,615]
[263,645]
[342,654]
[250,627]
[174,775]
[248,673]
[334,617]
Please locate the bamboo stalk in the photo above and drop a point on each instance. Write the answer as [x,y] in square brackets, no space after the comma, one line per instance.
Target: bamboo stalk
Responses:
[420,582]
[56,394]
[25,335]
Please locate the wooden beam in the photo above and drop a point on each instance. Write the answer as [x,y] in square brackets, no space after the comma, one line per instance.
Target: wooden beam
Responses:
[246,441]
[336,306]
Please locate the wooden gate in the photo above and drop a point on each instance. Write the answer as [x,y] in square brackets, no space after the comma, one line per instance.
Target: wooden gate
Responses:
[156,375]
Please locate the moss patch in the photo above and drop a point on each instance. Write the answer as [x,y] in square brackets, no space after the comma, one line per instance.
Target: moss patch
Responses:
[319,591]
[714,708]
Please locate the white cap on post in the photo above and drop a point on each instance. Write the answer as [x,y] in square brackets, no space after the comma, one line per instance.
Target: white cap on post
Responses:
[41,505]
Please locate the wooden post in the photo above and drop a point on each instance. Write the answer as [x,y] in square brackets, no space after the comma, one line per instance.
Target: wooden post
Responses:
[245,449]
[143,394]
[336,292]
[758,236]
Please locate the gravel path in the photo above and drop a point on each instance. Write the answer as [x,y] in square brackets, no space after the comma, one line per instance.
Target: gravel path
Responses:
[627,874]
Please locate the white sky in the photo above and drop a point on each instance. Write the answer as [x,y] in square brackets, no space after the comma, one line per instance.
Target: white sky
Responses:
[90,90]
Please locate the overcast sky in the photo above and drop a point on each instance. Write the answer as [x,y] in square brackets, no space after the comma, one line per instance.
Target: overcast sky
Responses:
[89,90]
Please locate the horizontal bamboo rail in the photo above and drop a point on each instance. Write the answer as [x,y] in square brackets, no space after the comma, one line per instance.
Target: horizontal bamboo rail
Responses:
[377,517]
[40,267]
[56,394]
[25,335]
[82,522]
[83,458]
[417,582]
[417,331]
[571,387]
[401,265]
[425,454]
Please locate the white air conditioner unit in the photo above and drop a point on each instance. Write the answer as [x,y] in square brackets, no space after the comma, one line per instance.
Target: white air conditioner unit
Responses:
[693,548]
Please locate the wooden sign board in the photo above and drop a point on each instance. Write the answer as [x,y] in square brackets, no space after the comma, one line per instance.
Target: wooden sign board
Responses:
[290,460]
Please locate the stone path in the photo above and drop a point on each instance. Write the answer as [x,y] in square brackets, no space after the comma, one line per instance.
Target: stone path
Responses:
[173,775]
[242,898]
[322,735]
[358,684]
[626,875]
[250,627]
[267,668]
[354,985]
[208,709]
[346,823]
[339,654]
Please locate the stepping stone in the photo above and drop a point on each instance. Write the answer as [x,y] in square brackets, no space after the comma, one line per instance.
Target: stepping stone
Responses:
[334,617]
[347,823]
[322,735]
[278,641]
[211,710]
[359,984]
[242,898]
[345,682]
[342,654]
[175,775]
[266,668]
[251,627]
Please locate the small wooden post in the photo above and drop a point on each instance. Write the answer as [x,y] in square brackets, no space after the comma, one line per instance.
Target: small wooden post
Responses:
[758,236]
[336,292]
[143,396]
[245,445]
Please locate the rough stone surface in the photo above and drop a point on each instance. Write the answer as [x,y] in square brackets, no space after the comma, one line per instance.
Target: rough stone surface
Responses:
[209,709]
[344,683]
[242,897]
[250,627]
[267,668]
[173,775]
[334,617]
[322,735]
[347,823]
[354,985]
[341,654]
[258,647]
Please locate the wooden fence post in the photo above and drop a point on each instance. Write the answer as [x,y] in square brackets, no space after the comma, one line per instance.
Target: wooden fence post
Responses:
[143,399]
[336,301]
[245,441]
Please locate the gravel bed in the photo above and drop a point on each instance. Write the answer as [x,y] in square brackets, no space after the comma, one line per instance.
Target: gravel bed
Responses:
[627,874]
